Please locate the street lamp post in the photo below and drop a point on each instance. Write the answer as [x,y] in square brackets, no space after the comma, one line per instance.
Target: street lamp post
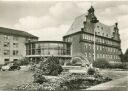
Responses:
[94,40]
[94,45]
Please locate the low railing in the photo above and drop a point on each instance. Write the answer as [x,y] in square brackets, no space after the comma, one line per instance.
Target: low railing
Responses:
[48,55]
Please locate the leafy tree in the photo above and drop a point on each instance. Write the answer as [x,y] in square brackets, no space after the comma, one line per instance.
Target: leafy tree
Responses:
[125,57]
[101,63]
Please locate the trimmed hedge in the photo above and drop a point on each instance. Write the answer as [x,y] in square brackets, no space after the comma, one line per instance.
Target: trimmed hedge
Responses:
[101,63]
[118,66]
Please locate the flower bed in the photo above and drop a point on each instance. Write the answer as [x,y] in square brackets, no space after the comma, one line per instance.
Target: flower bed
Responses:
[63,80]
[66,81]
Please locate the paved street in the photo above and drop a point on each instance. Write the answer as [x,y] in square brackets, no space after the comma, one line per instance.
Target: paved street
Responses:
[115,85]
[114,74]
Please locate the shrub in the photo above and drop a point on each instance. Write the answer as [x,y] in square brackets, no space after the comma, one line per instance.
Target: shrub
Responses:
[68,63]
[101,63]
[91,71]
[50,66]
[119,65]
[24,61]
[39,78]
[21,62]
[80,80]
[66,82]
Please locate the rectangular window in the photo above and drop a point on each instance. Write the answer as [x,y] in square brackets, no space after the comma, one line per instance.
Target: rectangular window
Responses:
[38,51]
[15,38]
[101,56]
[102,40]
[6,52]
[15,60]
[15,52]
[85,45]
[97,47]
[15,44]
[6,37]
[6,61]
[98,56]
[89,46]
[85,36]
[100,47]
[90,55]
[33,46]
[6,44]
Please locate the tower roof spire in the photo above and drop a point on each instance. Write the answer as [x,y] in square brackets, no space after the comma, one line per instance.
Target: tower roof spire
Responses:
[91,9]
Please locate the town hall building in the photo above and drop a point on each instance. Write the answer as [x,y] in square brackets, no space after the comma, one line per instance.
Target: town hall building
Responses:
[81,36]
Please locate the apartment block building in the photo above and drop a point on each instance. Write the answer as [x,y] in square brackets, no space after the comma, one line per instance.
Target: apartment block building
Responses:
[12,44]
[81,36]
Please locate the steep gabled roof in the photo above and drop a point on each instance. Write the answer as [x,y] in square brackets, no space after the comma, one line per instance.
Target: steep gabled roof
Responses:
[106,29]
[77,25]
[16,32]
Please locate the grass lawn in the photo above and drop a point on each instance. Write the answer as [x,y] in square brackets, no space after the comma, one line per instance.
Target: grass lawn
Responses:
[9,79]
[114,74]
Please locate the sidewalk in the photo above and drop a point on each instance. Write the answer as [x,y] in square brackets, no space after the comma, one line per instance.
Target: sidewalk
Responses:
[115,85]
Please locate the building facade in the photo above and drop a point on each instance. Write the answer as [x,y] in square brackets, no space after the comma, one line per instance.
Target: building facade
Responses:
[38,49]
[81,36]
[79,39]
[12,44]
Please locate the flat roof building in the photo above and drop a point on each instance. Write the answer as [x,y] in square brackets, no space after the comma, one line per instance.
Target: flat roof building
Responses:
[12,44]
[38,49]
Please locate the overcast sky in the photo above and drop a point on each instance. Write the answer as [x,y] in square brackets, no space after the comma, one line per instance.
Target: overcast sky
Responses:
[51,20]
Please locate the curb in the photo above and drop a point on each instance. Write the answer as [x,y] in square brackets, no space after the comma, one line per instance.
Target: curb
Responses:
[112,84]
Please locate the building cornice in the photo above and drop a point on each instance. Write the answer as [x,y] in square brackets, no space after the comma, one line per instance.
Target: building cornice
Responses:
[81,32]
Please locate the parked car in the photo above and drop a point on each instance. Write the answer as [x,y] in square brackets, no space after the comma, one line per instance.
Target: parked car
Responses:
[14,67]
[1,67]
[5,68]
[25,68]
